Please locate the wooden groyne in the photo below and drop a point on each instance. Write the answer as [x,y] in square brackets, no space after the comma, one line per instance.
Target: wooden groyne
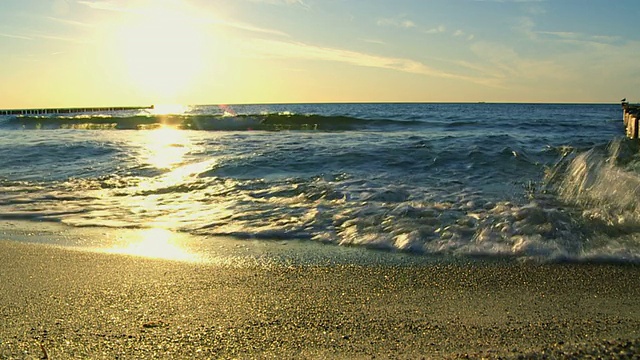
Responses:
[631,115]
[71,110]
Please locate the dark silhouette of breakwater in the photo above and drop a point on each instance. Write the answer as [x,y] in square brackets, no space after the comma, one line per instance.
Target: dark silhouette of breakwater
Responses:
[71,110]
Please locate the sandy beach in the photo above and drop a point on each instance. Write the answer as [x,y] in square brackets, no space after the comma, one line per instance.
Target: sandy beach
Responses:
[58,303]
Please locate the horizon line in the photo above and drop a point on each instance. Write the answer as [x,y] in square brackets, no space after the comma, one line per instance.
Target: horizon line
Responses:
[133,107]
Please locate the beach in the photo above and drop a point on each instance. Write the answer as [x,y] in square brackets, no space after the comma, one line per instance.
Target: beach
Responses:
[305,179]
[318,231]
[62,303]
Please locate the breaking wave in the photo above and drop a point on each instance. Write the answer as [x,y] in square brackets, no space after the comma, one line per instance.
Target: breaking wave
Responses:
[224,122]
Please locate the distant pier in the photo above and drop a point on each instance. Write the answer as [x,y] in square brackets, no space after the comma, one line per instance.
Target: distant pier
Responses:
[631,115]
[71,110]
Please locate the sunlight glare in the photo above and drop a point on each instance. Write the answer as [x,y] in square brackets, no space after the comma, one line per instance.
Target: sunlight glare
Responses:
[166,147]
[169,109]
[162,50]
[156,243]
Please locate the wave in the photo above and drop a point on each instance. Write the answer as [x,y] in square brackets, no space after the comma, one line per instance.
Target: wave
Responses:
[604,183]
[574,219]
[248,122]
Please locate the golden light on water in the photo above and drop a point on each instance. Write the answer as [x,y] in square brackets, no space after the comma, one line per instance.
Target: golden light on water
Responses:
[165,147]
[156,243]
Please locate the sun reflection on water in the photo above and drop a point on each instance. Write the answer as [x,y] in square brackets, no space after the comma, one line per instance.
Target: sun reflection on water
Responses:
[166,147]
[164,202]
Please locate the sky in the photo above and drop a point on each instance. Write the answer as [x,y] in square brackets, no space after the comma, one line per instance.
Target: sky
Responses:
[66,53]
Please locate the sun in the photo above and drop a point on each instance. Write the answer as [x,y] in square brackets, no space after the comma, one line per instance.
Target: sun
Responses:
[161,49]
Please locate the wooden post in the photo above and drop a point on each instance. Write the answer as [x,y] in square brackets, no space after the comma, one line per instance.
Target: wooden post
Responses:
[630,117]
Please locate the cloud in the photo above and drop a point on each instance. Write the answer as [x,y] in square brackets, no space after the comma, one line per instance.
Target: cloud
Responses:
[461,34]
[441,29]
[535,9]
[12,36]
[555,61]
[374,41]
[527,27]
[281,2]
[105,5]
[400,22]
[437,30]
[245,26]
[44,36]
[69,22]
[512,1]
[577,37]
[202,18]
[281,49]
[62,38]
[503,62]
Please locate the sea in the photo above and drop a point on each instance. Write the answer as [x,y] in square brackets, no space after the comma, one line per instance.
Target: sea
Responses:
[523,182]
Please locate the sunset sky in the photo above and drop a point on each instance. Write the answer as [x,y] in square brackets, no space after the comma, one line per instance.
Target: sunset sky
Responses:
[56,53]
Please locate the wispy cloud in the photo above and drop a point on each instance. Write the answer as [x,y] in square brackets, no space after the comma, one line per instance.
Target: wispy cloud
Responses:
[281,2]
[69,22]
[512,1]
[374,41]
[535,9]
[245,26]
[202,18]
[46,37]
[531,7]
[62,38]
[105,5]
[461,34]
[281,49]
[527,26]
[34,36]
[400,22]
[503,62]
[13,36]
[577,37]
[436,30]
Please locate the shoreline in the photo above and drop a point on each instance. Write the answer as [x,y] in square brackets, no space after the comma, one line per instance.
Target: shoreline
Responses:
[85,304]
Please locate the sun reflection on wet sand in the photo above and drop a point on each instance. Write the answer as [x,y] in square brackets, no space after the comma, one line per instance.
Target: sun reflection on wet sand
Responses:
[156,243]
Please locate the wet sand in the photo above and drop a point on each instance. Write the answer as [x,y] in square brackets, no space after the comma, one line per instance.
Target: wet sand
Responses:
[61,303]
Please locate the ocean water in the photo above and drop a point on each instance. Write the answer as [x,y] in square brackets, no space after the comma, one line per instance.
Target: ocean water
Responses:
[544,182]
